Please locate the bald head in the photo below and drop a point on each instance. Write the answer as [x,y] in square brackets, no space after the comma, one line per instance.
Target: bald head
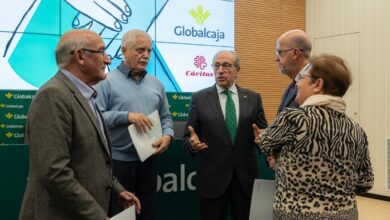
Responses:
[296,39]
[70,41]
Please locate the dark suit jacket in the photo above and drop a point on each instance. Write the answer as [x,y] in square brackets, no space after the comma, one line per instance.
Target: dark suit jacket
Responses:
[288,99]
[217,162]
[70,173]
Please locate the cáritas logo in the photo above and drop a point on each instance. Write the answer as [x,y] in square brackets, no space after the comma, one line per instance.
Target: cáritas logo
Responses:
[199,63]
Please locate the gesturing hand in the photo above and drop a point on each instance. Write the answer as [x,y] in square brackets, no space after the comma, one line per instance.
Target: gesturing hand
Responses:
[196,145]
[256,132]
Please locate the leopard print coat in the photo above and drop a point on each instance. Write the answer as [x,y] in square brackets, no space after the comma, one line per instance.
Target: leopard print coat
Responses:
[322,162]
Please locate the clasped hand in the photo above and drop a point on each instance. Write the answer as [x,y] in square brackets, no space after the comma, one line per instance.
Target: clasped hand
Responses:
[143,124]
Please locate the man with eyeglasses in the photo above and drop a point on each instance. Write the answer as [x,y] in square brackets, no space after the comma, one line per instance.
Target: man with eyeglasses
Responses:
[128,95]
[70,171]
[219,135]
[292,56]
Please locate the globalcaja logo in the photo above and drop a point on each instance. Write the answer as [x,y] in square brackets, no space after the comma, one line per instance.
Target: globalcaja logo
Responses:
[9,95]
[200,63]
[9,134]
[9,115]
[15,116]
[200,15]
[14,135]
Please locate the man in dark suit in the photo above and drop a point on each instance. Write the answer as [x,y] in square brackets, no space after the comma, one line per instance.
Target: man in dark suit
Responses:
[292,56]
[70,174]
[227,164]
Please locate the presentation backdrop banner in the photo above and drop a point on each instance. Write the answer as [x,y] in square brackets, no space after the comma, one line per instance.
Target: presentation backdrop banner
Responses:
[14,106]
[185,34]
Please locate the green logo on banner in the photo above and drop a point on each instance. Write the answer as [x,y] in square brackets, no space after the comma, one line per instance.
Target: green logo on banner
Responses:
[8,115]
[9,134]
[2,105]
[9,95]
[199,15]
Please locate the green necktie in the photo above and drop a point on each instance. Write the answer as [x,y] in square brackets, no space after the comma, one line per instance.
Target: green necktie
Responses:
[230,114]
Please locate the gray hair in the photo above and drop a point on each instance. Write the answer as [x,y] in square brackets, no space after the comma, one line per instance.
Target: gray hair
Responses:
[129,38]
[65,48]
[235,55]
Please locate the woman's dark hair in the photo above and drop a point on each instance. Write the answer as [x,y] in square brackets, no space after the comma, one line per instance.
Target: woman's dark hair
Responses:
[333,71]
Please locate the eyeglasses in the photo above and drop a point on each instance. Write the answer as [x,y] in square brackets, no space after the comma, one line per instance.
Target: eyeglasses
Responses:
[102,51]
[225,66]
[279,53]
[304,73]
[301,76]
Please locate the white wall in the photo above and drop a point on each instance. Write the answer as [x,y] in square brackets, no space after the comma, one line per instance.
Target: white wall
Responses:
[359,32]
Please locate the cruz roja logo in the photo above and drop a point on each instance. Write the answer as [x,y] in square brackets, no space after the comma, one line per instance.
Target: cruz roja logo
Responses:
[169,182]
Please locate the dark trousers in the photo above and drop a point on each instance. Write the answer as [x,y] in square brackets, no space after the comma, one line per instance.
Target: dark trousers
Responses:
[139,178]
[234,196]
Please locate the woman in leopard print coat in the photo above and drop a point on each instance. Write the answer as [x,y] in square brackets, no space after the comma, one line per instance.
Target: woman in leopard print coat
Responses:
[322,158]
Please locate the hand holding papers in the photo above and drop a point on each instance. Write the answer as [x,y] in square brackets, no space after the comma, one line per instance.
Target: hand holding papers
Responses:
[143,140]
[127,214]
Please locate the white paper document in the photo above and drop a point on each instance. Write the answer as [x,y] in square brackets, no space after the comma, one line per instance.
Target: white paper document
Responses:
[262,200]
[127,214]
[143,141]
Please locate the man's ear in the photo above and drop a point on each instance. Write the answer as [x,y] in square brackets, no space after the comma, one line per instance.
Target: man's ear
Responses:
[123,49]
[296,53]
[79,56]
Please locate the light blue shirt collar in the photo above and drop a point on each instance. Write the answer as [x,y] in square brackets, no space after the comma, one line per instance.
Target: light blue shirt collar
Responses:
[128,73]
[87,91]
